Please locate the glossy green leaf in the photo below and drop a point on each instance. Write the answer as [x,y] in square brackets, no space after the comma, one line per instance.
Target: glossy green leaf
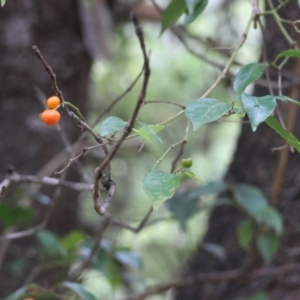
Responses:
[246,75]
[147,132]
[197,10]
[18,294]
[183,207]
[50,242]
[286,98]
[288,136]
[258,108]
[205,110]
[160,186]
[250,198]
[3,2]
[79,290]
[172,13]
[267,244]
[288,53]
[245,234]
[271,218]
[128,258]
[111,125]
[71,241]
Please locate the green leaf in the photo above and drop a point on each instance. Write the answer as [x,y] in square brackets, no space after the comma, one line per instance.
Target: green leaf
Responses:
[288,136]
[267,244]
[205,110]
[172,13]
[191,4]
[190,175]
[210,188]
[50,242]
[111,125]
[286,98]
[244,233]
[71,241]
[183,207]
[18,294]
[197,10]
[128,258]
[272,218]
[246,75]
[288,53]
[160,186]
[250,199]
[258,108]
[79,290]
[147,132]
[3,2]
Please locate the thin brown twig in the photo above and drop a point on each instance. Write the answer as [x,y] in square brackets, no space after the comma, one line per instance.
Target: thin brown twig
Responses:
[214,277]
[133,229]
[176,159]
[110,193]
[42,225]
[59,93]
[77,186]
[130,123]
[71,160]
[116,100]
[164,101]
[189,281]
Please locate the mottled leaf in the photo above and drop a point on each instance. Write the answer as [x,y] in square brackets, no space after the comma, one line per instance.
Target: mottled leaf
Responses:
[160,186]
[258,108]
[111,125]
[250,199]
[205,110]
[246,75]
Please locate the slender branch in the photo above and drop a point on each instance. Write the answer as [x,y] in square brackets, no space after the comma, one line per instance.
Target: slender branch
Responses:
[52,75]
[215,277]
[164,101]
[189,281]
[42,225]
[77,186]
[120,97]
[130,123]
[134,229]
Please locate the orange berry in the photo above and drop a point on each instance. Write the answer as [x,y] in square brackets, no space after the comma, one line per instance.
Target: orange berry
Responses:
[28,298]
[53,102]
[50,117]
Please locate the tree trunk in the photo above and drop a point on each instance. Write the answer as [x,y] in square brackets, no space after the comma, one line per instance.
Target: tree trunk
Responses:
[276,174]
[26,143]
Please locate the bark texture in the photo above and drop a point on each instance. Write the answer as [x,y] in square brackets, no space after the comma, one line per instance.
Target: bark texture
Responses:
[26,143]
[255,163]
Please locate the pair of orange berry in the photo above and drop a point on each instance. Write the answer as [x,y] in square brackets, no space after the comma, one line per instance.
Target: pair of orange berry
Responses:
[51,116]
